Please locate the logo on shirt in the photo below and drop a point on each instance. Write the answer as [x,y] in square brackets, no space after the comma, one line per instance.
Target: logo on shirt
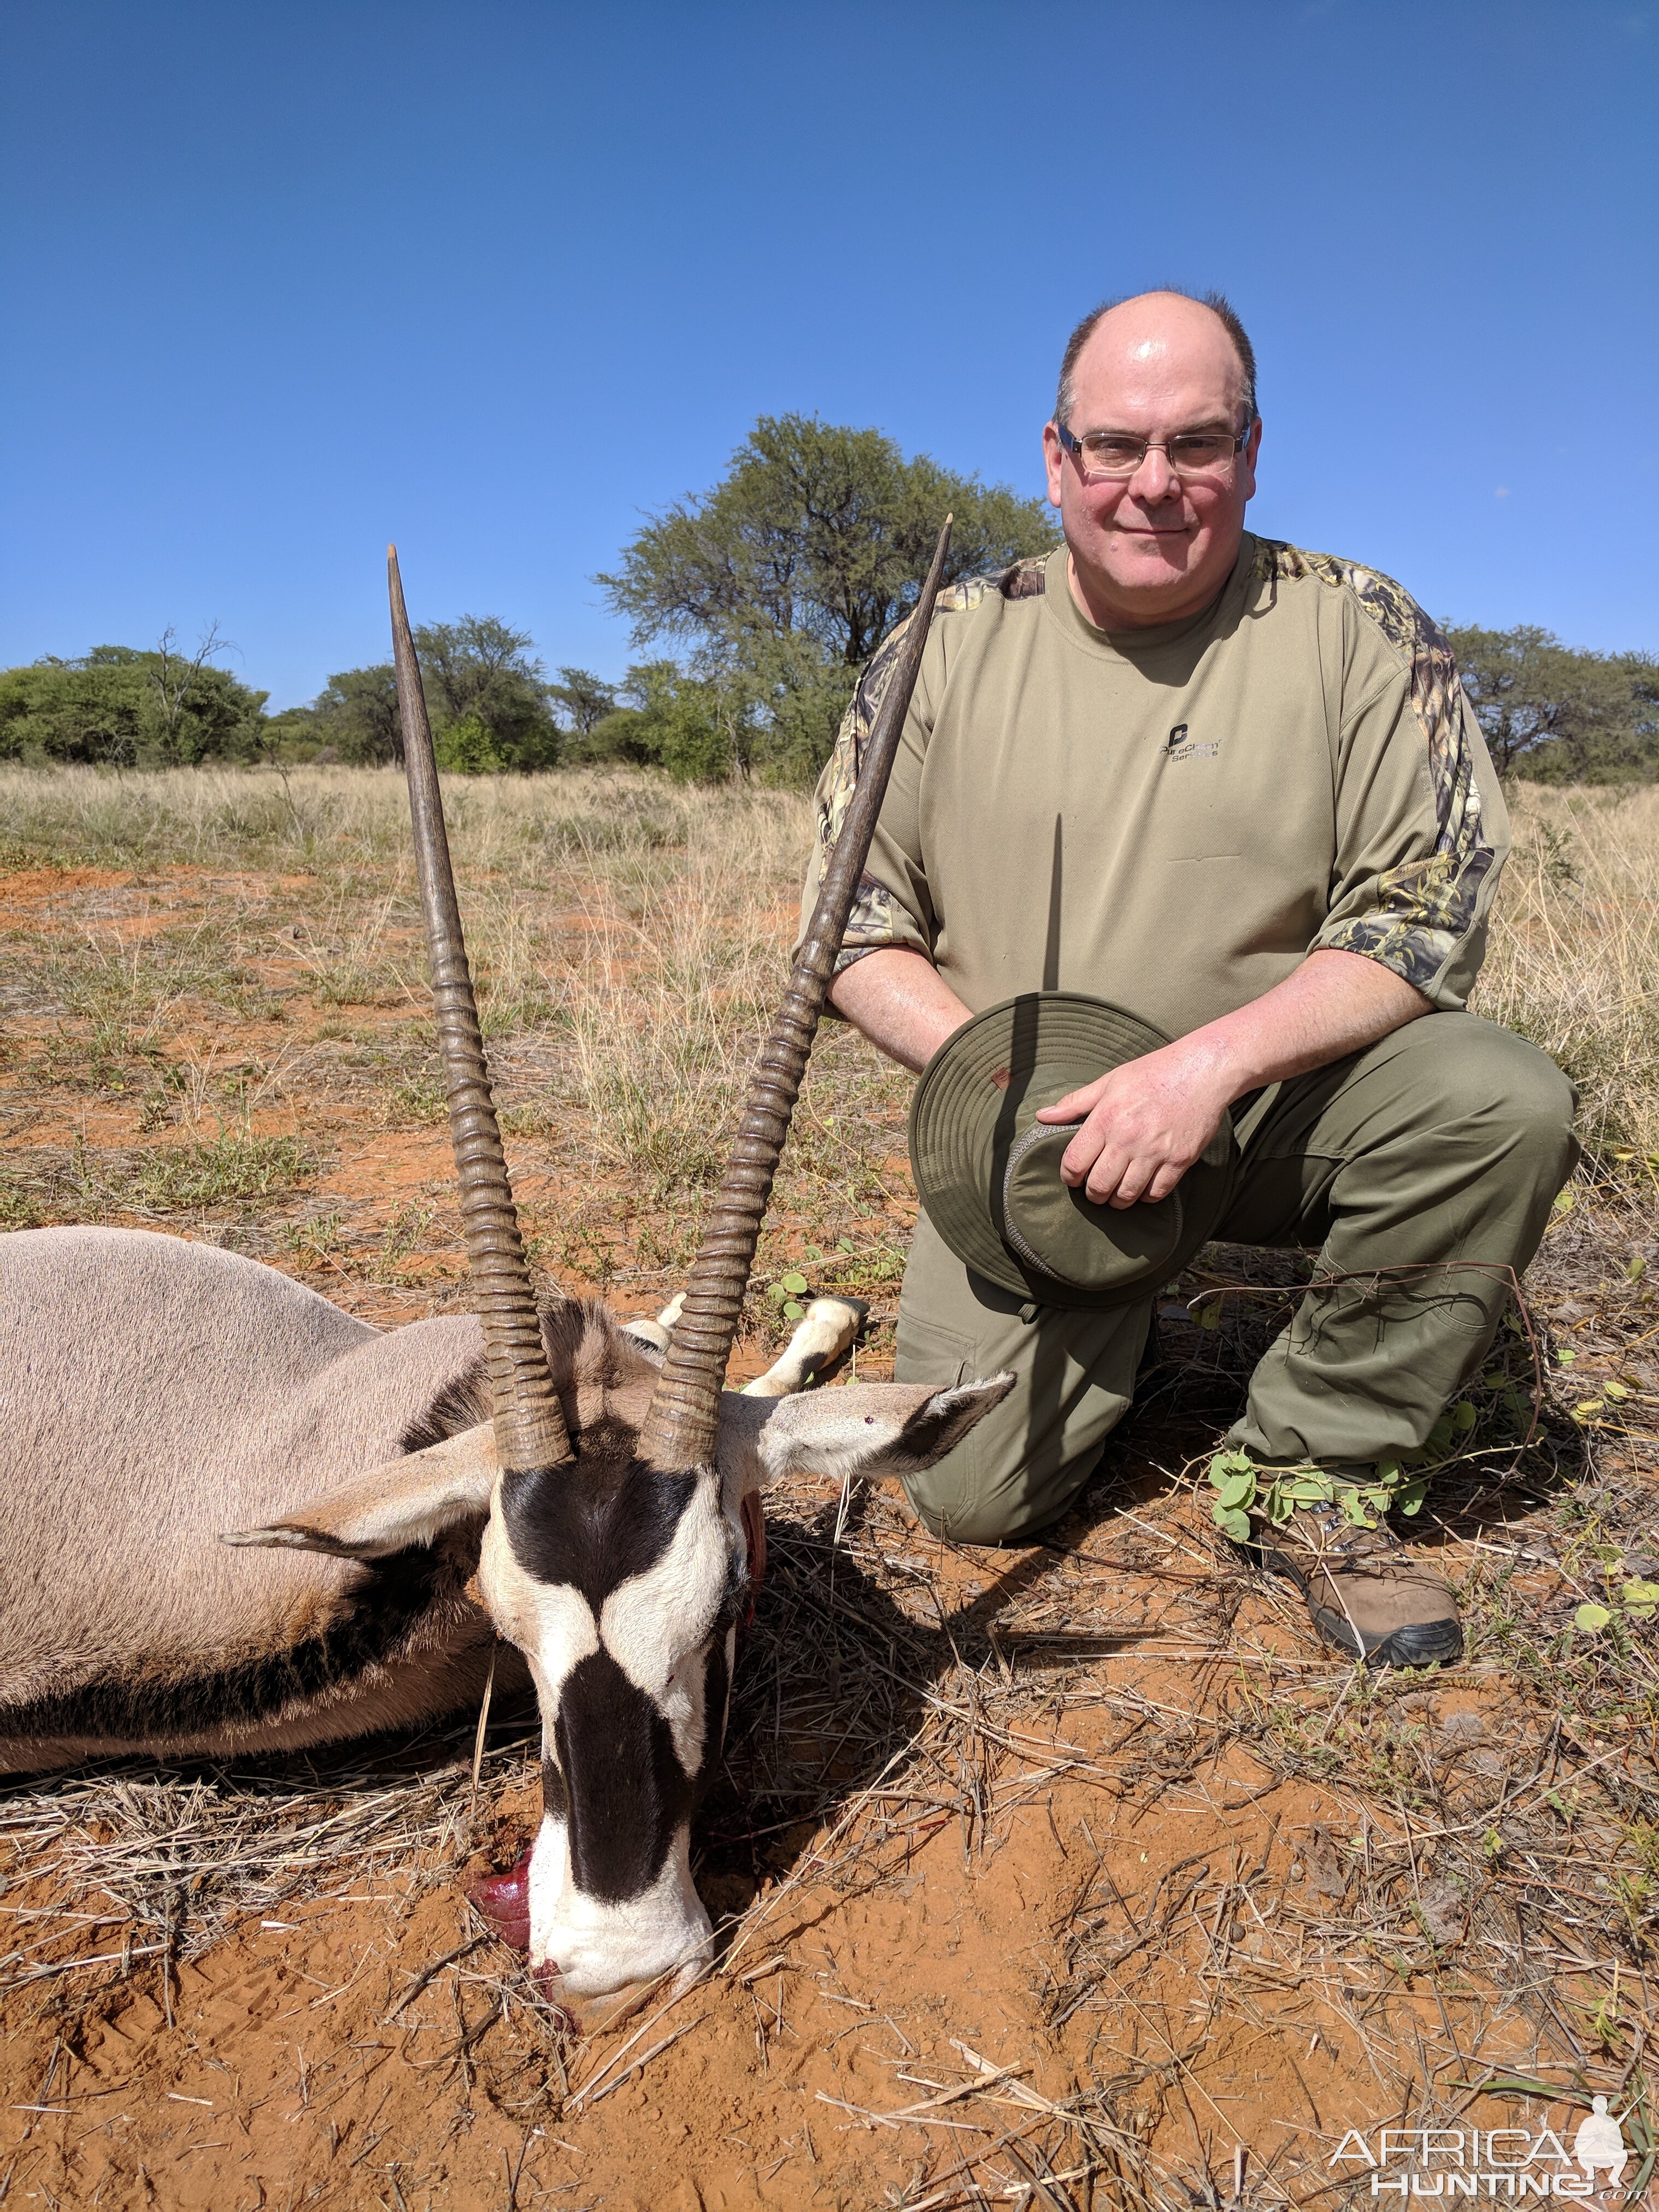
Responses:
[1179,746]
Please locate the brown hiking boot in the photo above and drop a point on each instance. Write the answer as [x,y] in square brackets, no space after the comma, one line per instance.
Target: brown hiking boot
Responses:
[1366,1593]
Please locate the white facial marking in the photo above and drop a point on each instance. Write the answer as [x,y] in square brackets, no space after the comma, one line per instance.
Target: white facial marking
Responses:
[599,1948]
[552,1623]
[549,1873]
[654,1620]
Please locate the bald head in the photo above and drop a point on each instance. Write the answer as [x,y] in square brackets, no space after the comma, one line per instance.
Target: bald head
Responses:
[1150,328]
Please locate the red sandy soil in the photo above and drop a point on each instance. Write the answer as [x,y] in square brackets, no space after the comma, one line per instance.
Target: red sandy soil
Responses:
[289,2066]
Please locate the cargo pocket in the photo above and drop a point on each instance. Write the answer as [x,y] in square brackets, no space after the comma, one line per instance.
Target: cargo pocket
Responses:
[925,1353]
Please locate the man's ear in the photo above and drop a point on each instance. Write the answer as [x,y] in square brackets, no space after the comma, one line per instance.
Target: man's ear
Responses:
[878,1431]
[408,1501]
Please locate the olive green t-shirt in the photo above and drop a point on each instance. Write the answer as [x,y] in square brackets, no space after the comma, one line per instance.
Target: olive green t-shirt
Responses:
[1174,818]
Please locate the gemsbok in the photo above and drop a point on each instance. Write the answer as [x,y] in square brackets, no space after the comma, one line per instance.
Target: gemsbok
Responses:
[241,1520]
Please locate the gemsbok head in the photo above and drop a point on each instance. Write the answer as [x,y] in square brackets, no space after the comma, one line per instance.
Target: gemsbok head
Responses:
[621,1493]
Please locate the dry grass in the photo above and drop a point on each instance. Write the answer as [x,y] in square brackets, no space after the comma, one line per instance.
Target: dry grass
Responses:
[628,939]
[216,1023]
[1574,956]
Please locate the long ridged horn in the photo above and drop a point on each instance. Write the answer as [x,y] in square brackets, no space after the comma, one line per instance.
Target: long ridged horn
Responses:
[679,1430]
[530,1430]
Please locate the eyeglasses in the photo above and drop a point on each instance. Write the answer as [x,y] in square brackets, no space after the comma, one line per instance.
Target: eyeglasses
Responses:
[1116,453]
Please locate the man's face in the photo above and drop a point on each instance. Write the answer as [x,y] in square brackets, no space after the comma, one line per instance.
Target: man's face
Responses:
[1152,547]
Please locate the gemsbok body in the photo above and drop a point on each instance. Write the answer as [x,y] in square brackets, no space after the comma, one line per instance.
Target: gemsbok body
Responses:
[241,1520]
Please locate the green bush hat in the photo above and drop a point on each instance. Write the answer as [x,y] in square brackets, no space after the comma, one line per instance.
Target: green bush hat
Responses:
[987,1171]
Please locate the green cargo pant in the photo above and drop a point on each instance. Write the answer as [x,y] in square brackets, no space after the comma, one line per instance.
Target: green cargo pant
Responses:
[1445,1142]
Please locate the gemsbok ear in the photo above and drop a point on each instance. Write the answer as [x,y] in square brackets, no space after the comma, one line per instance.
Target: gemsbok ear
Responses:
[408,1501]
[876,1431]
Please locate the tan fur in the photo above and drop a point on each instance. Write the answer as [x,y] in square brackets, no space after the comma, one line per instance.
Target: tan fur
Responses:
[151,1393]
[408,1501]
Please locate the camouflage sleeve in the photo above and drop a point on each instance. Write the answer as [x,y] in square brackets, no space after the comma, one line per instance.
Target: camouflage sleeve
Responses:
[878,917]
[1421,829]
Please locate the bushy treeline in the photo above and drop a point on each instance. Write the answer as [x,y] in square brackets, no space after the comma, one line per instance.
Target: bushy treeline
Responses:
[124,709]
[774,587]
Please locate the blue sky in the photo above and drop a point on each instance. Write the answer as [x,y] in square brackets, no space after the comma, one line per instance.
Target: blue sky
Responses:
[283,281]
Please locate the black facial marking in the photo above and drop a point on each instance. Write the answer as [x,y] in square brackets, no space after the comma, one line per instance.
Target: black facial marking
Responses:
[597,1522]
[628,1792]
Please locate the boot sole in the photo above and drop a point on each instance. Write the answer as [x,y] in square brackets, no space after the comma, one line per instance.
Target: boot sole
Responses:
[1414,1644]
[1419,1644]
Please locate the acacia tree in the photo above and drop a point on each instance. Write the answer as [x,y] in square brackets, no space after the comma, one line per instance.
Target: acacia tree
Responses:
[1556,715]
[786,575]
[357,715]
[486,695]
[582,699]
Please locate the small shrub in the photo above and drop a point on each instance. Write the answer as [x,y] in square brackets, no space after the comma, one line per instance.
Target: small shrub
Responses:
[468,747]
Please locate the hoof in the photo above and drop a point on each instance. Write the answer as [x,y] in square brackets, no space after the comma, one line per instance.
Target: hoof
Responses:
[504,1900]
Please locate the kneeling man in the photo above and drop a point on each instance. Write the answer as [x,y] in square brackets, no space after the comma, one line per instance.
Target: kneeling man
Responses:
[1187,857]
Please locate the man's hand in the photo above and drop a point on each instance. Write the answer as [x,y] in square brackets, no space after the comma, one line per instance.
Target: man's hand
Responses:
[1146,1123]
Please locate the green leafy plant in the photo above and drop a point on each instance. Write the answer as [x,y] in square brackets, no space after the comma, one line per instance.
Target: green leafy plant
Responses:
[1275,1493]
[787,1294]
[1636,1600]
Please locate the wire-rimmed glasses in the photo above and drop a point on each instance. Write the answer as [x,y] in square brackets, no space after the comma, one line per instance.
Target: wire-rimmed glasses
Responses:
[1118,454]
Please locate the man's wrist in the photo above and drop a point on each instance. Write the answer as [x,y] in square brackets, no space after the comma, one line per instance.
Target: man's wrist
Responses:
[1219,1065]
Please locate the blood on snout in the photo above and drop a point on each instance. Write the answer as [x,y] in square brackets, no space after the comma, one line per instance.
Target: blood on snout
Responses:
[504,1900]
[753,1516]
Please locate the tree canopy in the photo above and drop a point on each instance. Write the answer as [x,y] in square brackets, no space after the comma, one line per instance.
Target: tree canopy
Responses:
[355,715]
[785,576]
[486,698]
[582,700]
[1558,715]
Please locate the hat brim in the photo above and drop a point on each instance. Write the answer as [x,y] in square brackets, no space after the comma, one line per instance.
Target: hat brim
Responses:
[982,1091]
